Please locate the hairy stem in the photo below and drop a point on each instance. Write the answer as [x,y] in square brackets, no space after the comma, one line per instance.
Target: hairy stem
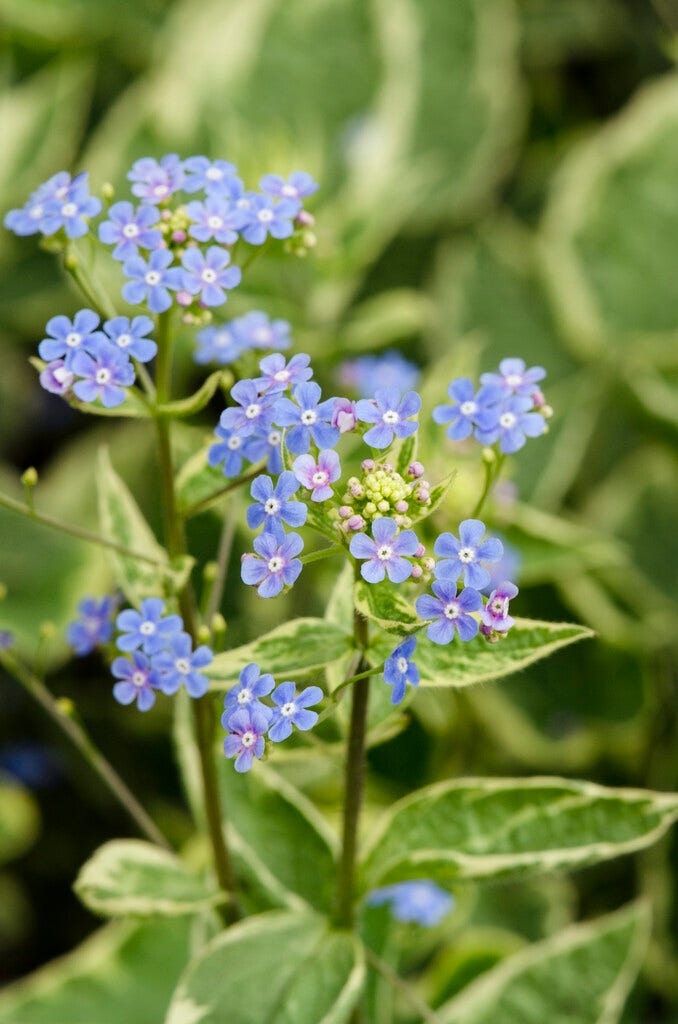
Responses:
[77,735]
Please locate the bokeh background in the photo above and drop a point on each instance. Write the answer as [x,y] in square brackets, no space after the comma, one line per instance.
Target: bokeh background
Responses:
[498,178]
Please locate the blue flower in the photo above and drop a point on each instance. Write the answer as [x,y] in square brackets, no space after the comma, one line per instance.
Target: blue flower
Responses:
[246,736]
[69,336]
[227,453]
[154,181]
[278,375]
[265,444]
[209,274]
[495,616]
[385,553]
[267,217]
[104,375]
[94,625]
[215,177]
[253,413]
[130,336]
[276,565]
[138,681]
[246,694]
[391,415]
[306,417]
[215,218]
[151,280]
[72,213]
[6,639]
[317,476]
[515,423]
[515,378]
[449,612]
[257,330]
[127,229]
[30,219]
[367,373]
[272,505]
[291,709]
[463,557]
[217,344]
[180,664]
[298,185]
[419,901]
[147,628]
[469,409]
[399,670]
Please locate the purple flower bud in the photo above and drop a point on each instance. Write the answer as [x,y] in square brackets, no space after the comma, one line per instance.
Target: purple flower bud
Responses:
[178,237]
[55,378]
[6,639]
[345,511]
[401,506]
[368,465]
[388,467]
[422,496]
[417,572]
[166,215]
[184,298]
[538,399]
[356,523]
[304,219]
[357,490]
[415,470]
[420,552]
[344,416]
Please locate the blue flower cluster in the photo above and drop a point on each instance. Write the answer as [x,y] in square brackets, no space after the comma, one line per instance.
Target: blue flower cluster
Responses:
[94,625]
[418,901]
[94,364]
[508,407]
[248,720]
[62,203]
[365,374]
[224,343]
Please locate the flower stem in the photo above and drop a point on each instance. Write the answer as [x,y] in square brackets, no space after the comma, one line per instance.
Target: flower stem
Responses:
[398,983]
[492,471]
[76,733]
[317,556]
[205,503]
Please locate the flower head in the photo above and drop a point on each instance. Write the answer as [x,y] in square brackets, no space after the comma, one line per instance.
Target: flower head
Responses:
[152,280]
[265,444]
[228,452]
[317,476]
[419,901]
[180,664]
[306,418]
[251,686]
[66,337]
[272,505]
[298,185]
[209,274]
[276,566]
[399,670]
[515,378]
[449,612]
[254,412]
[94,625]
[345,415]
[138,681]
[266,216]
[468,409]
[57,378]
[495,616]
[515,423]
[463,557]
[156,181]
[128,229]
[73,211]
[104,375]
[256,330]
[385,553]
[391,413]
[42,204]
[278,376]
[216,219]
[149,628]
[367,373]
[245,741]
[215,177]
[291,709]
[130,336]
[217,344]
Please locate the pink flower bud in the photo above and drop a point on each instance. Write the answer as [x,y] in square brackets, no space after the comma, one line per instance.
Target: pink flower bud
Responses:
[417,572]
[304,219]
[357,490]
[356,523]
[420,552]
[184,298]
[178,237]
[345,511]
[401,506]
[388,467]
[422,495]
[538,399]
[344,416]
[415,470]
[368,465]
[166,215]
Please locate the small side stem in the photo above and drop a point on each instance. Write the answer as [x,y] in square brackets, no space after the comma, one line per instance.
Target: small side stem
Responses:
[223,557]
[492,471]
[77,735]
[398,983]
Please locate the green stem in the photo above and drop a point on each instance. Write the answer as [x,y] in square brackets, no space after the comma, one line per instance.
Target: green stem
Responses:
[398,983]
[317,556]
[76,531]
[355,679]
[223,558]
[492,471]
[96,760]
[202,506]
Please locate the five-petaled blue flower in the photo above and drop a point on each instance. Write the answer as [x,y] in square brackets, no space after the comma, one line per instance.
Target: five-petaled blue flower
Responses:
[247,729]
[385,554]
[399,670]
[265,217]
[390,412]
[256,330]
[449,611]
[128,229]
[72,213]
[228,452]
[515,378]
[246,694]
[514,424]
[105,375]
[254,412]
[138,681]
[298,185]
[215,218]
[291,709]
[30,219]
[152,280]
[306,417]
[278,376]
[389,370]
[179,664]
[216,344]
[154,181]
[463,557]
[265,444]
[209,274]
[66,337]
[276,565]
[130,336]
[149,628]
[215,177]
[468,409]
[272,505]
[94,625]
[418,901]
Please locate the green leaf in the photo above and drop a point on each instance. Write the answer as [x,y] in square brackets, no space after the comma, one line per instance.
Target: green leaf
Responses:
[121,520]
[407,453]
[302,645]
[319,518]
[197,481]
[19,820]
[581,975]
[277,967]
[383,604]
[124,972]
[282,844]
[194,403]
[130,876]
[464,664]
[493,828]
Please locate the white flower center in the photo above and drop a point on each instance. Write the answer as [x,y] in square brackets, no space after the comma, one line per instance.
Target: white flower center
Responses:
[63,376]
[276,564]
[214,174]
[401,665]
[130,231]
[467,555]
[265,216]
[282,376]
[391,417]
[147,628]
[288,709]
[289,191]
[153,277]
[183,666]
[384,552]
[243,204]
[234,443]
[319,478]
[252,411]
[467,408]
[139,678]
[221,339]
[102,375]
[452,610]
[69,210]
[124,340]
[161,190]
[61,192]
[208,275]
[215,222]
[272,507]
[507,420]
[73,339]
[274,438]
[36,211]
[514,380]
[309,417]
[262,335]
[244,696]
[248,739]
